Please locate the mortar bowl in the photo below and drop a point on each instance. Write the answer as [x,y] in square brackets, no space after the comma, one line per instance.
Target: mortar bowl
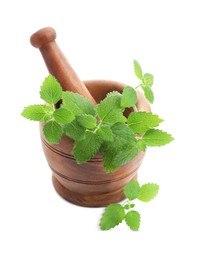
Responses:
[88,184]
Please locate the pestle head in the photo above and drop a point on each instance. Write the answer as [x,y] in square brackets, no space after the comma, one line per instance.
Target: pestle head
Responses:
[57,63]
[43,36]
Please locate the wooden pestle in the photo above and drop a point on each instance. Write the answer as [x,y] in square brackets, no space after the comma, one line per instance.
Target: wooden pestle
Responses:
[57,63]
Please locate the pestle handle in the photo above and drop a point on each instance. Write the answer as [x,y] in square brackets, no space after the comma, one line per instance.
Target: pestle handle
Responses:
[57,63]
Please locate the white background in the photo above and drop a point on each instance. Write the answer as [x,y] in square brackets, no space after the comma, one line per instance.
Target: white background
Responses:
[100,39]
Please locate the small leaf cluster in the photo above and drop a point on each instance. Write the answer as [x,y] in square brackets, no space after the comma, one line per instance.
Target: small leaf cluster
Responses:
[114,214]
[146,83]
[102,128]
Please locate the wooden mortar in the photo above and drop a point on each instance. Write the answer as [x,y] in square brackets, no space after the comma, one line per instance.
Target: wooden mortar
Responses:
[85,184]
[88,184]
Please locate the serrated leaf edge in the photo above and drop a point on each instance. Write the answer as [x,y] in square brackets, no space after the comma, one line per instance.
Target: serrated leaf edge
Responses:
[172,138]
[147,73]
[52,78]
[145,94]
[133,181]
[43,130]
[139,122]
[117,223]
[139,220]
[112,93]
[110,227]
[135,62]
[37,105]
[150,183]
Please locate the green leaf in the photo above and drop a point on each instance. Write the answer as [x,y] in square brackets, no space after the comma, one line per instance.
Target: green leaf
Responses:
[105,133]
[108,157]
[39,113]
[129,206]
[112,94]
[132,190]
[141,145]
[87,121]
[109,110]
[74,130]
[148,192]
[140,122]
[138,70]
[113,216]
[124,156]
[123,119]
[77,104]
[63,116]
[155,137]
[148,93]
[129,97]
[52,132]
[148,79]
[86,148]
[51,91]
[132,218]
[122,135]
[121,150]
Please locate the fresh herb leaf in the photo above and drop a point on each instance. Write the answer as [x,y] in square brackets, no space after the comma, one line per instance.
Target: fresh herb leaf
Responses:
[109,110]
[52,132]
[112,94]
[132,190]
[51,91]
[146,82]
[148,192]
[122,135]
[140,122]
[115,213]
[105,133]
[129,206]
[87,121]
[86,148]
[132,218]
[77,104]
[123,119]
[148,93]
[138,70]
[39,113]
[148,79]
[155,137]
[124,156]
[63,116]
[74,130]
[108,157]
[129,97]
[141,145]
[121,150]
[113,216]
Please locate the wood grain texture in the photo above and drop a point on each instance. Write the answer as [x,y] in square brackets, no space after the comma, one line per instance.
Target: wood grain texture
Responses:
[88,184]
[57,63]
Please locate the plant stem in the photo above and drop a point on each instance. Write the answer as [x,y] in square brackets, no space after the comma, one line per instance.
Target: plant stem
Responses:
[97,127]
[135,108]
[127,201]
[138,86]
